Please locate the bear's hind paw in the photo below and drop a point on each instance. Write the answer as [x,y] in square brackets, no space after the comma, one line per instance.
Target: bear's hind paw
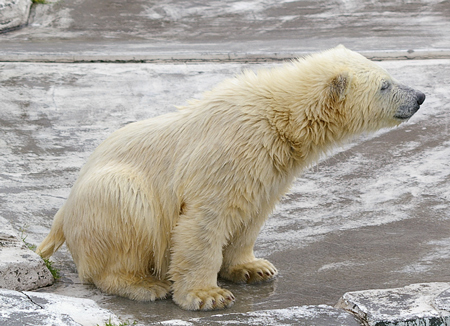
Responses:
[134,288]
[149,291]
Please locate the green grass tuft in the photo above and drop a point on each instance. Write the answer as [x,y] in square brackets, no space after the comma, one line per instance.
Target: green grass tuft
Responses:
[53,270]
[24,238]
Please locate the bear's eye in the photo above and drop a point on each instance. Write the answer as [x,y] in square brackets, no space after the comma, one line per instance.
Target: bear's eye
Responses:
[385,85]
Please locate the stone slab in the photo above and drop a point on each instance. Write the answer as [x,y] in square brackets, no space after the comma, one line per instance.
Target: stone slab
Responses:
[321,315]
[20,268]
[442,301]
[413,305]
[30,308]
[13,13]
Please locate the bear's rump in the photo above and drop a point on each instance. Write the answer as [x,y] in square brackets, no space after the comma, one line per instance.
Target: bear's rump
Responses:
[113,222]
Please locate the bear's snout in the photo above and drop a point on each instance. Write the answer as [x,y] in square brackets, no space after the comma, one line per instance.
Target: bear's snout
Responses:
[412,100]
[420,97]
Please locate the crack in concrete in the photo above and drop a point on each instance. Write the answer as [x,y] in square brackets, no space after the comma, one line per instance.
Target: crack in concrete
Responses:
[32,301]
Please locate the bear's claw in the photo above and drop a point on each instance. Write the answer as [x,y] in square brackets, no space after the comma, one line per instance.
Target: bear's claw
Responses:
[258,270]
[205,299]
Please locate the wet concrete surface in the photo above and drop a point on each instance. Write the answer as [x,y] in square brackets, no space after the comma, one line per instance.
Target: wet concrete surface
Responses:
[371,215]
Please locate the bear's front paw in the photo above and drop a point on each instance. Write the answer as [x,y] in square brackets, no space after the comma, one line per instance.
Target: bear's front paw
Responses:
[258,270]
[204,299]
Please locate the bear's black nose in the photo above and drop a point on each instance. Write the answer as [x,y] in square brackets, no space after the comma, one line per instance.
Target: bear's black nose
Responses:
[420,98]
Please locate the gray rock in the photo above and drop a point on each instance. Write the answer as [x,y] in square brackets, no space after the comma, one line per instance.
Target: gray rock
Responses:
[300,316]
[20,268]
[43,309]
[413,305]
[13,13]
[442,301]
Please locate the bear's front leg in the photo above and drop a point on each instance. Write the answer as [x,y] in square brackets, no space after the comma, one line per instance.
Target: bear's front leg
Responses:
[240,264]
[196,258]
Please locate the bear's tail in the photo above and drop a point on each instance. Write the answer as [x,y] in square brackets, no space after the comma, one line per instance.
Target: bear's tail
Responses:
[55,238]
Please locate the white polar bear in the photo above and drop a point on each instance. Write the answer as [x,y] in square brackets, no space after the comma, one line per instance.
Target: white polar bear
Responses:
[168,203]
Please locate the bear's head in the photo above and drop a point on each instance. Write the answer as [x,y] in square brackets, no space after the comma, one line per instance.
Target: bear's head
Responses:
[339,93]
[367,97]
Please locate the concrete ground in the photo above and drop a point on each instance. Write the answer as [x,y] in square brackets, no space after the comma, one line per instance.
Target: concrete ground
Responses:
[372,215]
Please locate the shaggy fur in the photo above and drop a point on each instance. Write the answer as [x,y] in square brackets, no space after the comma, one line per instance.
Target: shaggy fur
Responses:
[167,203]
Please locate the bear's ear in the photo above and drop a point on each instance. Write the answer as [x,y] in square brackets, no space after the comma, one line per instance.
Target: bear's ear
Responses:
[340,47]
[338,87]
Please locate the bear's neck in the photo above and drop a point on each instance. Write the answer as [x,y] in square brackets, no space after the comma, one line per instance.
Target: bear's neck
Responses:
[301,141]
[303,148]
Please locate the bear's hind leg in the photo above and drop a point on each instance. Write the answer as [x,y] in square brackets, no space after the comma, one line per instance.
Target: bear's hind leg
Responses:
[145,288]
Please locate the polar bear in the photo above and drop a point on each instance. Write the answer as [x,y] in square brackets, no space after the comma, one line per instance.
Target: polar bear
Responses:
[167,204]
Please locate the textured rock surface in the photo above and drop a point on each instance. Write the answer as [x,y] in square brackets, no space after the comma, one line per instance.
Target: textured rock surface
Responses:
[416,304]
[20,268]
[13,13]
[42,309]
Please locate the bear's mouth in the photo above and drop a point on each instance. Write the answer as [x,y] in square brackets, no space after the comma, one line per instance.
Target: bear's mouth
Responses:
[406,112]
